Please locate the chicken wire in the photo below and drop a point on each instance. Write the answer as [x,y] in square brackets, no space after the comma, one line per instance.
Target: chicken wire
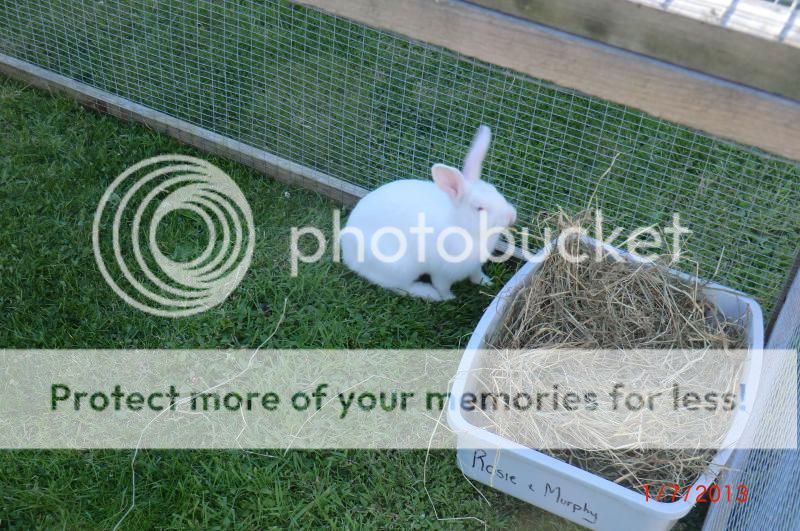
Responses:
[771,476]
[368,107]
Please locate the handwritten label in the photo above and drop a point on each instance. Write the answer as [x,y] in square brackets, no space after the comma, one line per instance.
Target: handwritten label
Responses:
[478,462]
[575,506]
[552,493]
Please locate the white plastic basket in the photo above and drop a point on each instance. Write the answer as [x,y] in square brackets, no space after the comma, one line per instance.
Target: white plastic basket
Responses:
[566,490]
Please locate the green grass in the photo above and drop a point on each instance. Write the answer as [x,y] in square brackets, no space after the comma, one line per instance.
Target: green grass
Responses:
[363,106]
[55,161]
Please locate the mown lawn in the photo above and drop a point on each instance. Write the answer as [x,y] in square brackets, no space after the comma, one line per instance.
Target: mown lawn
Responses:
[360,105]
[55,161]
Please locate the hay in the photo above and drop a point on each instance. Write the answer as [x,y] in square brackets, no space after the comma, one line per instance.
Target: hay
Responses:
[609,305]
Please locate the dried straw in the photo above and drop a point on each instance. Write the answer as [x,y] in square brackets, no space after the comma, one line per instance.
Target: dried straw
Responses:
[620,307]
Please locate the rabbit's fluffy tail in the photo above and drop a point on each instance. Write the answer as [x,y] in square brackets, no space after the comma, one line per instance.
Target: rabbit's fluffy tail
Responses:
[477,152]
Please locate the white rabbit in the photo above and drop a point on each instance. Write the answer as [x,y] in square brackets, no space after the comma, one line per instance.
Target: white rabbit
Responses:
[441,224]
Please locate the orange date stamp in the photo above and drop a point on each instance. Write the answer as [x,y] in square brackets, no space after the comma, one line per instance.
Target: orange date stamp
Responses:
[698,493]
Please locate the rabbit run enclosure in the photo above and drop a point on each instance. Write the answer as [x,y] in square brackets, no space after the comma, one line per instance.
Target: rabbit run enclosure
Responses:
[695,101]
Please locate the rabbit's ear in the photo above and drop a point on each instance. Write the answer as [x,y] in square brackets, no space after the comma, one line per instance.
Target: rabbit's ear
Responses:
[476,154]
[449,179]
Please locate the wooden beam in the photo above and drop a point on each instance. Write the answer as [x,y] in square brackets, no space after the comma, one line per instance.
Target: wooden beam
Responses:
[700,101]
[752,42]
[208,141]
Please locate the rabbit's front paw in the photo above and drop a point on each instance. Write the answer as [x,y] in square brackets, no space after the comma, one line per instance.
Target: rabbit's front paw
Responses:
[448,296]
[481,278]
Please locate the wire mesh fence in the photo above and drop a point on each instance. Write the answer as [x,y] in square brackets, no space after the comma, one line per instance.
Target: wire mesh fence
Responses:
[368,107]
[770,475]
